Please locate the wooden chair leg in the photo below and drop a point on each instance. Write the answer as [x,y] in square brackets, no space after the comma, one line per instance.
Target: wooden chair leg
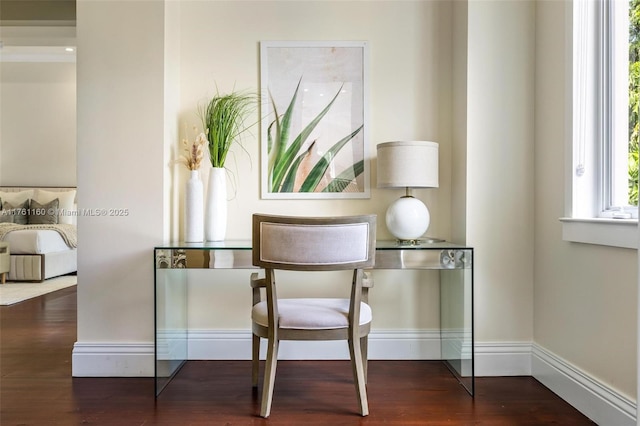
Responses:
[358,375]
[269,377]
[255,360]
[4,277]
[364,347]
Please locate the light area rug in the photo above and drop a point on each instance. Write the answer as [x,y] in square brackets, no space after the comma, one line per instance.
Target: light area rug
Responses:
[14,292]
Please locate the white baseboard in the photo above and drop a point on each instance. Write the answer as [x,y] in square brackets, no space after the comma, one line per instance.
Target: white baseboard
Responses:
[131,359]
[592,398]
[137,359]
[387,344]
[112,360]
[502,359]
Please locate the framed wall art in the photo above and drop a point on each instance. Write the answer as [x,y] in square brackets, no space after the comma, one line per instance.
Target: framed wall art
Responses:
[315,135]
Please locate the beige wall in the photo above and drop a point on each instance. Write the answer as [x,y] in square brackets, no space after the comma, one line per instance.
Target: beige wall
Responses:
[411,98]
[410,65]
[128,81]
[585,296]
[500,181]
[409,83]
[121,165]
[38,123]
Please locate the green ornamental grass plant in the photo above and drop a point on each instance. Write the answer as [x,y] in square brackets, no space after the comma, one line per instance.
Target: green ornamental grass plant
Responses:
[224,119]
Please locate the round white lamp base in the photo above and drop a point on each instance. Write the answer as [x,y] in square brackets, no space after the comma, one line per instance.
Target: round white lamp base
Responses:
[408,218]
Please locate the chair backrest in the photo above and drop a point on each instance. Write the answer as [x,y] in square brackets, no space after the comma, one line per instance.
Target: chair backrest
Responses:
[314,243]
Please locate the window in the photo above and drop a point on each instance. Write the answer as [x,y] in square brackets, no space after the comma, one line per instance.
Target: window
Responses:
[604,178]
[621,46]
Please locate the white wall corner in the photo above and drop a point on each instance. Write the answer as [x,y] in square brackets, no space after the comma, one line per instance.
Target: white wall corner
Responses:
[592,398]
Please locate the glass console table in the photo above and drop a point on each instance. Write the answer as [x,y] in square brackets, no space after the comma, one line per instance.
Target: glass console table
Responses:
[454,263]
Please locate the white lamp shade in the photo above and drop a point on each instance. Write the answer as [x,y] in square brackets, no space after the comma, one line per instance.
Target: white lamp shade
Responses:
[411,164]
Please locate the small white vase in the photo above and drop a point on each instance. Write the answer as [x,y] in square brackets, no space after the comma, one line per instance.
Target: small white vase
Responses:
[215,224]
[194,209]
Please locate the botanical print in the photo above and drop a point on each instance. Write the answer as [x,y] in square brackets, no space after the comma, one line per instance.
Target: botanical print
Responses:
[315,134]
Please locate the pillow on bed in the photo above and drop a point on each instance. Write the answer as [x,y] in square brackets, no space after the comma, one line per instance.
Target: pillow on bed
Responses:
[5,217]
[43,214]
[66,201]
[18,213]
[16,198]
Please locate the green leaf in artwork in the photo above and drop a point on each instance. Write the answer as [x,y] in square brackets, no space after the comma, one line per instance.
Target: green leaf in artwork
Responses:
[285,158]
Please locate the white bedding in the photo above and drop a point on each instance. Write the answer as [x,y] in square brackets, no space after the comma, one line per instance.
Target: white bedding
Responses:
[38,241]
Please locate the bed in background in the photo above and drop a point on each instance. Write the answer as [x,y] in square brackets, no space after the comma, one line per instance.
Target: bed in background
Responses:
[39,249]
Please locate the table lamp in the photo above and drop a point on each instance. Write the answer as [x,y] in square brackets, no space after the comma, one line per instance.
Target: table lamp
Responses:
[410,164]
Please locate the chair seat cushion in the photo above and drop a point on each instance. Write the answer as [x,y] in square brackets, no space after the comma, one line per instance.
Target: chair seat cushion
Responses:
[311,314]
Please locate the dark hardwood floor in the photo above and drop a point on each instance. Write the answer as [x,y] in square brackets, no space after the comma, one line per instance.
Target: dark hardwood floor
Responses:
[36,387]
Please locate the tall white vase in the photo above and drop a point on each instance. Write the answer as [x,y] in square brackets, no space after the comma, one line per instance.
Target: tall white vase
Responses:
[194,209]
[215,223]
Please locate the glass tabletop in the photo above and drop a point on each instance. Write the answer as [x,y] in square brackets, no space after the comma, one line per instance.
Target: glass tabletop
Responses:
[246,245]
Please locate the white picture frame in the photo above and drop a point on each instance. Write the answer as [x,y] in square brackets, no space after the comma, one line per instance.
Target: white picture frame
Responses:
[320,92]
